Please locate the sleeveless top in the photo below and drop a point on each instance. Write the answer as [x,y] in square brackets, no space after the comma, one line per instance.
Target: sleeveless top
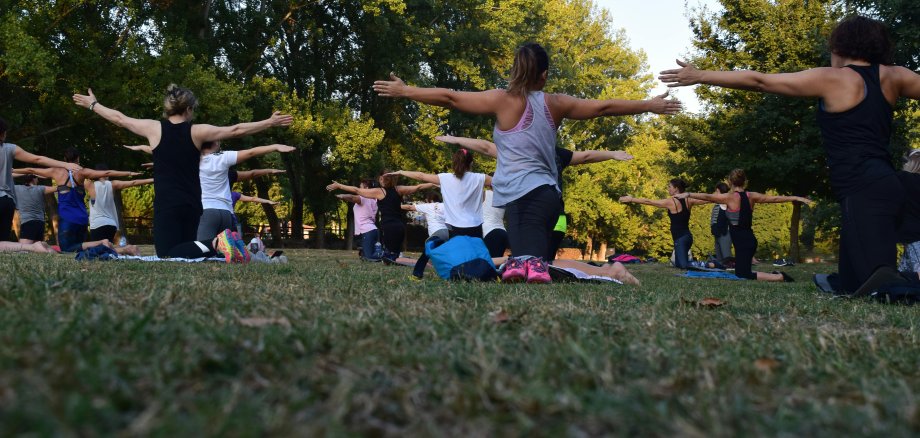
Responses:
[856,141]
[742,219]
[390,208]
[102,209]
[680,221]
[175,168]
[526,153]
[7,186]
[30,201]
[71,204]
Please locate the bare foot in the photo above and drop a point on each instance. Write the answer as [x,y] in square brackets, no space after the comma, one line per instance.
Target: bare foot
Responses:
[130,250]
[42,247]
[620,272]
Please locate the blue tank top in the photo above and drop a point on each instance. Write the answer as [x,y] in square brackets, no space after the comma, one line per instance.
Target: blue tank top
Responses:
[856,141]
[71,202]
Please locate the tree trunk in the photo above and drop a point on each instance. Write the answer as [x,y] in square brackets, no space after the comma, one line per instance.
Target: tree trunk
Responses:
[602,251]
[349,230]
[293,167]
[794,231]
[589,248]
[320,231]
[270,214]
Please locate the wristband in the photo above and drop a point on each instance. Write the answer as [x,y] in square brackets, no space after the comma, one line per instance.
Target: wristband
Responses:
[93,104]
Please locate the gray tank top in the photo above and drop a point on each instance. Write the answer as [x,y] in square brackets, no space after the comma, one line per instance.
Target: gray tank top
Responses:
[7,186]
[526,154]
[102,209]
[30,201]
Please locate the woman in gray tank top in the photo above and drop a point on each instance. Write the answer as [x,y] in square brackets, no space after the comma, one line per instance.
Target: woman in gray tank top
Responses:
[525,133]
[30,201]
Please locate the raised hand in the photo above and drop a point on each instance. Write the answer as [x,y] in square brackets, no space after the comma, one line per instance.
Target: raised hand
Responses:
[284,148]
[276,171]
[626,198]
[333,186]
[73,167]
[397,173]
[278,119]
[661,105]
[446,138]
[84,100]
[622,156]
[805,201]
[392,88]
[687,74]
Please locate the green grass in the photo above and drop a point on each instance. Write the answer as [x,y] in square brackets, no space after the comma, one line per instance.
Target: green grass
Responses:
[353,348]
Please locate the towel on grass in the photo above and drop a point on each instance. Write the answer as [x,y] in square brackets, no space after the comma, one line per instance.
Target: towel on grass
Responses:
[154,258]
[710,274]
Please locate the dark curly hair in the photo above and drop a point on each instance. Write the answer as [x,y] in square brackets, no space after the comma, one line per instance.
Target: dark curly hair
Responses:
[862,38]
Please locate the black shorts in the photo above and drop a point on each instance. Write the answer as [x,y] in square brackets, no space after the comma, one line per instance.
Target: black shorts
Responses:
[32,230]
[103,232]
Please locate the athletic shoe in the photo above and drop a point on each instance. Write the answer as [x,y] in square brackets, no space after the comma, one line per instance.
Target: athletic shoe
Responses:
[537,271]
[783,262]
[245,256]
[226,247]
[883,276]
[515,270]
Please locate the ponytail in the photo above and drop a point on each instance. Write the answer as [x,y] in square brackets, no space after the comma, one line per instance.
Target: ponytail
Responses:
[462,162]
[530,62]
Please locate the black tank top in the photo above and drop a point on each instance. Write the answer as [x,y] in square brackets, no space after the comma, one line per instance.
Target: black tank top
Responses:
[175,168]
[745,213]
[390,208]
[680,221]
[856,141]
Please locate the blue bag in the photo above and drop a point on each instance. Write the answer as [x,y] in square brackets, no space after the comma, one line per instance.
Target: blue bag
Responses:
[461,258]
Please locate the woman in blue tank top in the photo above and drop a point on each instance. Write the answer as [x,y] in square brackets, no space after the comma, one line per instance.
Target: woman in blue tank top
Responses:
[856,96]
[526,120]
[176,146]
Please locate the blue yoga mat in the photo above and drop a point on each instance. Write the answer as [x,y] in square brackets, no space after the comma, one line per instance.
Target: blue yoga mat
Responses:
[710,274]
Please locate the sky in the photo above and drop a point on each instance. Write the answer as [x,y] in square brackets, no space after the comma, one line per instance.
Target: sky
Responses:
[661,29]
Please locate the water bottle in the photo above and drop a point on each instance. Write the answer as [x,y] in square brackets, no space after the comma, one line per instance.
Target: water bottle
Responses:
[378,251]
[122,241]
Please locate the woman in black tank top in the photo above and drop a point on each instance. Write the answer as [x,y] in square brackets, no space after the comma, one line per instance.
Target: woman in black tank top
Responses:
[856,96]
[389,203]
[176,145]
[742,202]
[679,214]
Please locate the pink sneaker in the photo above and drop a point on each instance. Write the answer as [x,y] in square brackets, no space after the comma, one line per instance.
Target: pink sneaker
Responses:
[515,271]
[537,271]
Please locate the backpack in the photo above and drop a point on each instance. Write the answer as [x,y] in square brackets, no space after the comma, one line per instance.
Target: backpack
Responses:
[100,252]
[461,258]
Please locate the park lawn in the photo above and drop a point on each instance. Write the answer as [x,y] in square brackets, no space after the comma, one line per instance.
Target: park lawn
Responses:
[328,344]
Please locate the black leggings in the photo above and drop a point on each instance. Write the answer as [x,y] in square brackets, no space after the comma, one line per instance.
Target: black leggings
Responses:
[497,242]
[7,209]
[174,225]
[103,232]
[868,231]
[531,219]
[745,246]
[192,250]
[392,235]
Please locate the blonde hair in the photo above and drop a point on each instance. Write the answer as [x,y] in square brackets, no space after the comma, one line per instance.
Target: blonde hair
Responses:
[530,62]
[913,161]
[178,100]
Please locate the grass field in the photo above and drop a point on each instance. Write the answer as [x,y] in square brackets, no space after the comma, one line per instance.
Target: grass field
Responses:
[331,345]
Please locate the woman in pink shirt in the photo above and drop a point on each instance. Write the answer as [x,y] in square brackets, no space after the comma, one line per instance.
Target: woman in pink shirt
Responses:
[365,210]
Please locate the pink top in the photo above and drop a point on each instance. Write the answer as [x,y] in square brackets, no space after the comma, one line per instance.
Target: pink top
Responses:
[365,216]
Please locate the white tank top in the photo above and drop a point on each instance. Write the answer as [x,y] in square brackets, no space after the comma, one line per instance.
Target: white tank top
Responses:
[102,209]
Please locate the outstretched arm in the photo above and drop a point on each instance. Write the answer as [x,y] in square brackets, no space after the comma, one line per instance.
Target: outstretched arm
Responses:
[721,198]
[262,150]
[376,193]
[49,190]
[909,81]
[202,133]
[760,198]
[246,175]
[245,198]
[354,199]
[118,185]
[816,82]
[408,207]
[660,203]
[418,176]
[96,174]
[408,190]
[41,160]
[44,173]
[484,147]
[140,148]
[567,107]
[588,157]
[150,129]
[479,102]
